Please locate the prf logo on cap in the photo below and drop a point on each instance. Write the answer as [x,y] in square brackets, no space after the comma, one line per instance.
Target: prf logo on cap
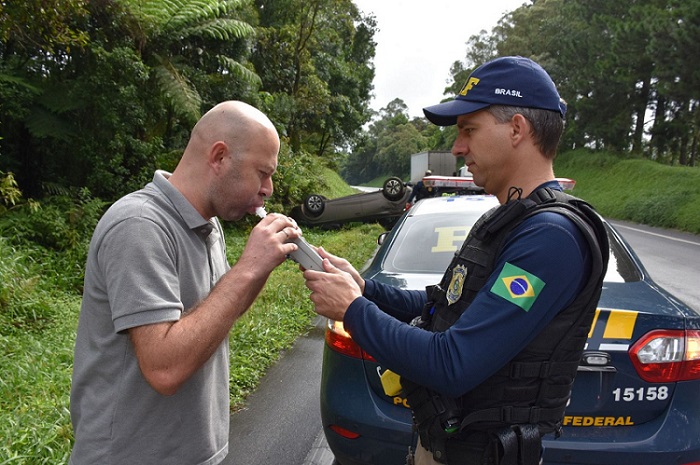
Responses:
[471,82]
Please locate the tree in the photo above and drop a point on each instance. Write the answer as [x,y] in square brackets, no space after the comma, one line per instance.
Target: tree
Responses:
[169,36]
[677,83]
[314,61]
[117,96]
[615,63]
[42,26]
[385,148]
[36,40]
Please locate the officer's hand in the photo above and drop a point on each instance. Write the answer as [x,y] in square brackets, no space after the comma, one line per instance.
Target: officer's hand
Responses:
[332,291]
[343,265]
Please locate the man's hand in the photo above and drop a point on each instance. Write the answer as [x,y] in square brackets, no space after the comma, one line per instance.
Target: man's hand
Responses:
[334,290]
[268,246]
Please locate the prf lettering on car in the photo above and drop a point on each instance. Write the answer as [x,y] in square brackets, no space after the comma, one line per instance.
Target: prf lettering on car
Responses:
[611,330]
[597,421]
[449,239]
[402,401]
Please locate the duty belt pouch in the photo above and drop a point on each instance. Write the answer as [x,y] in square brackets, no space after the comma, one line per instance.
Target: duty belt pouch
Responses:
[515,445]
[436,417]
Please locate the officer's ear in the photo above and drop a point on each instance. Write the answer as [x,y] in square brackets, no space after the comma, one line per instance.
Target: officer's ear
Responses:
[520,129]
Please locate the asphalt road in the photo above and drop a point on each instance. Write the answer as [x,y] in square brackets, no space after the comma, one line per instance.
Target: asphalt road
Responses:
[281,423]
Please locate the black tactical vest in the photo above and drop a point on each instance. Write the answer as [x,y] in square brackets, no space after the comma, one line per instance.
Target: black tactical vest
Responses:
[502,420]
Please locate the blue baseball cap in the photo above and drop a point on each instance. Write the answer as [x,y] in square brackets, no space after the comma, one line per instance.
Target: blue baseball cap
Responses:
[512,81]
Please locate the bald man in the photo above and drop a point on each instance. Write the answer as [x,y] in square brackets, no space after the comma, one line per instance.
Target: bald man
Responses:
[150,376]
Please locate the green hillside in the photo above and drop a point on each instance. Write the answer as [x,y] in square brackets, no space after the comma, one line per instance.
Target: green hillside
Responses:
[641,191]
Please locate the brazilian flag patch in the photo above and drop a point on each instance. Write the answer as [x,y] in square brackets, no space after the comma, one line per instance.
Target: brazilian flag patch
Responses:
[517,286]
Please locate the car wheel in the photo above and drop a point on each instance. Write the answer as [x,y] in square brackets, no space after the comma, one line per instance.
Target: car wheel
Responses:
[393,188]
[314,204]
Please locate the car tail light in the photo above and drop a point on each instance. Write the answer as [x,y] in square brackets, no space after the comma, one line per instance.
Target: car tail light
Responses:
[346,433]
[340,341]
[664,356]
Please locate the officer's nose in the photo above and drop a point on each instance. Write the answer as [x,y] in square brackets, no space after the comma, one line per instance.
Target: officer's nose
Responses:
[460,147]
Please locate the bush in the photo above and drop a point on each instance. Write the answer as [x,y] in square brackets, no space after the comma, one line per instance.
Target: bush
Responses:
[44,251]
[296,176]
[57,234]
[23,304]
[61,222]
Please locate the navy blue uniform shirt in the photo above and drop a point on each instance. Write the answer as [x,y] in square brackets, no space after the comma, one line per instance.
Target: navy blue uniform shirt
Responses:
[493,329]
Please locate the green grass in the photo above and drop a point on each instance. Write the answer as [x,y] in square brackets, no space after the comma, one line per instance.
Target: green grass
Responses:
[379,180]
[35,425]
[336,187]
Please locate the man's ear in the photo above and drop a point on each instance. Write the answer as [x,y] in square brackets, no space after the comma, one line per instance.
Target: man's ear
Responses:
[218,152]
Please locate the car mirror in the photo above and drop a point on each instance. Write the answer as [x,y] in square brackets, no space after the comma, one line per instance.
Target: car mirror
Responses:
[382,237]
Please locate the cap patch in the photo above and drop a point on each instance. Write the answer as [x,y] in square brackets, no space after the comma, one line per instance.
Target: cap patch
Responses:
[508,92]
[471,82]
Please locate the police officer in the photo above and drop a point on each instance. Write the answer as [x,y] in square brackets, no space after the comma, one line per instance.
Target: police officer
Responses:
[487,357]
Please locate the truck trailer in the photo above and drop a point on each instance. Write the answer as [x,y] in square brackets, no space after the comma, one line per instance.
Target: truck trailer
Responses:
[439,163]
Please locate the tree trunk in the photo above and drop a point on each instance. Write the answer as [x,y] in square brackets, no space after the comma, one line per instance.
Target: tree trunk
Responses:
[637,139]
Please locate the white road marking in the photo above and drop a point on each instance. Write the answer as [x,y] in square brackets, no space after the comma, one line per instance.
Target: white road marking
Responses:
[617,225]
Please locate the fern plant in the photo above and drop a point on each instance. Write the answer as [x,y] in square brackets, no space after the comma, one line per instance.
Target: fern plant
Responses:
[162,28]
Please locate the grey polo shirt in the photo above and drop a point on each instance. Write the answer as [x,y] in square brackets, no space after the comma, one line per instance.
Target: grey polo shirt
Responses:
[152,257]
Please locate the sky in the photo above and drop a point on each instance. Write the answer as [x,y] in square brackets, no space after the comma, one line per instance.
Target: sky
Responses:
[417,42]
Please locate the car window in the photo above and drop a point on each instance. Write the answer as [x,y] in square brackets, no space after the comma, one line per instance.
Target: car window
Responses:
[427,243]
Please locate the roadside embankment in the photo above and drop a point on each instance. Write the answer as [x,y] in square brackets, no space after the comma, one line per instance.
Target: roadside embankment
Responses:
[641,191]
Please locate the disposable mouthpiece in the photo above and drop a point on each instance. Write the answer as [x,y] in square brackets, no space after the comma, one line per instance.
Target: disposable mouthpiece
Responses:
[260,211]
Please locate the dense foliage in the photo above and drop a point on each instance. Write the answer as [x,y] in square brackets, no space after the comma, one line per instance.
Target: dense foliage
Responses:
[99,94]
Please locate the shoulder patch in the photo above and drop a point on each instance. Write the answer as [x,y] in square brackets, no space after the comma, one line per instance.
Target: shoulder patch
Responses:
[517,286]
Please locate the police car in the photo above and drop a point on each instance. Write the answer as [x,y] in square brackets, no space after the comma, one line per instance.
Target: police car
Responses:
[635,399]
